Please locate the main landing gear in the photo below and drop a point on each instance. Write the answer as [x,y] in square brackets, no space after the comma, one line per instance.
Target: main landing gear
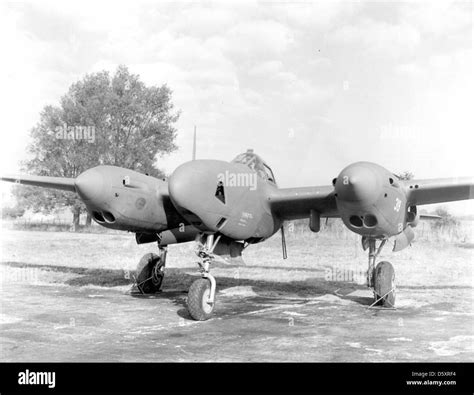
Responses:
[150,272]
[380,277]
[201,294]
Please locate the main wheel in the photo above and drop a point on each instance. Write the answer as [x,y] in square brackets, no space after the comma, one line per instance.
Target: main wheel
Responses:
[150,273]
[384,282]
[198,300]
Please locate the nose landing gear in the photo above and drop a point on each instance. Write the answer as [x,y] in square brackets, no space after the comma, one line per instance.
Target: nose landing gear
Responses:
[201,294]
[380,277]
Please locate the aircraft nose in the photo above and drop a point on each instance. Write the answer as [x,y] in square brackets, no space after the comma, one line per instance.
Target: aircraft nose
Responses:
[357,182]
[185,184]
[89,185]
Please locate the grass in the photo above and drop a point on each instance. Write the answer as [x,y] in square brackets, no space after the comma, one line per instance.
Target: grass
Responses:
[107,259]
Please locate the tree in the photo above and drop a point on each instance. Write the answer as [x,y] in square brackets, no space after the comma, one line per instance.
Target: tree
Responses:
[447,219]
[12,211]
[101,120]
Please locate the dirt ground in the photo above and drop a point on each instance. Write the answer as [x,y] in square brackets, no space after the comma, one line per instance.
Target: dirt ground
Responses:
[65,297]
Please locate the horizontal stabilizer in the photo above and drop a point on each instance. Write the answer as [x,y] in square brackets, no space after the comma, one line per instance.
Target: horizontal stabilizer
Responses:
[429,216]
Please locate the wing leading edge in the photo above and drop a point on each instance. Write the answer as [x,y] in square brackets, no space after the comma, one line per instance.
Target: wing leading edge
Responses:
[296,203]
[65,184]
[439,190]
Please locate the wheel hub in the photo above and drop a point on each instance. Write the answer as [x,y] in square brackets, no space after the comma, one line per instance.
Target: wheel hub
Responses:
[157,274]
[206,306]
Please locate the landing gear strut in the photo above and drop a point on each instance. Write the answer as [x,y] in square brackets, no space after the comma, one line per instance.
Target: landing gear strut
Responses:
[201,294]
[380,277]
[150,272]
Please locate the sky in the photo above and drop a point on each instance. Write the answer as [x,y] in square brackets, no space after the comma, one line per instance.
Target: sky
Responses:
[310,86]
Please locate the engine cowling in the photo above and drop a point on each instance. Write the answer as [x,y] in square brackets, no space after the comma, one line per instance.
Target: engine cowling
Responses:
[124,199]
[370,200]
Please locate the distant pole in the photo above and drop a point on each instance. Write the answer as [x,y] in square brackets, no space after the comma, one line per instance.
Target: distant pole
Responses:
[194,144]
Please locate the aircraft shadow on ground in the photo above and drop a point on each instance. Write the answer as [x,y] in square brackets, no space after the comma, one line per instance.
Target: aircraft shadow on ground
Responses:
[177,279]
[176,284]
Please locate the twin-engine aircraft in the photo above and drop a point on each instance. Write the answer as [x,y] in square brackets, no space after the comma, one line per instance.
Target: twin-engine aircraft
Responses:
[226,206]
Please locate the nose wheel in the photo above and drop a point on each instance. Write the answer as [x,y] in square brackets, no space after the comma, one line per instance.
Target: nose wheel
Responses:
[201,294]
[199,303]
[380,277]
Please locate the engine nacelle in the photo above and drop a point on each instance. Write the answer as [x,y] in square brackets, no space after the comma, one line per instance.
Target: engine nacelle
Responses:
[371,201]
[124,199]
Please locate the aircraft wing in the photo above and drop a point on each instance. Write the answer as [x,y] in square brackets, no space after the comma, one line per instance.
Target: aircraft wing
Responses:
[65,184]
[439,190]
[295,203]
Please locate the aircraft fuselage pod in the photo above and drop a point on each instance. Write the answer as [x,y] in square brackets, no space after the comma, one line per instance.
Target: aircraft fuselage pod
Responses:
[228,198]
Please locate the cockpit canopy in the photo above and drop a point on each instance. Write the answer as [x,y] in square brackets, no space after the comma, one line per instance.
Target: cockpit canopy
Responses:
[256,163]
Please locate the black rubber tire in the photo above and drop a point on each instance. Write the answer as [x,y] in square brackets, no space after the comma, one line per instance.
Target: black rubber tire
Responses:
[144,273]
[384,281]
[197,296]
